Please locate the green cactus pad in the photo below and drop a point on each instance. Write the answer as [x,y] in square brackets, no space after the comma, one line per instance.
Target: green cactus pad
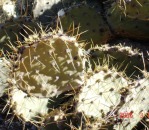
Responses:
[127,27]
[120,56]
[50,66]
[46,66]
[83,18]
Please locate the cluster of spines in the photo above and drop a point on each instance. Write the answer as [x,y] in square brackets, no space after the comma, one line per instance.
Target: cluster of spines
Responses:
[13,32]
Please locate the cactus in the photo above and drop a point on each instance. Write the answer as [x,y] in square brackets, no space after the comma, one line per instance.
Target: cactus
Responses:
[46,11]
[40,7]
[137,103]
[84,18]
[49,77]
[135,9]
[123,57]
[105,95]
[94,105]
[44,68]
[127,27]
[101,95]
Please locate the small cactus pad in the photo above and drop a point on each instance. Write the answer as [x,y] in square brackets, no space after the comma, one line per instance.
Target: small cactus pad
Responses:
[33,109]
[101,94]
[122,57]
[28,108]
[85,21]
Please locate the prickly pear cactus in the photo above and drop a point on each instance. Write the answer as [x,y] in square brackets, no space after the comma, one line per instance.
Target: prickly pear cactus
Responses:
[46,11]
[102,93]
[44,68]
[95,104]
[51,79]
[137,103]
[127,27]
[137,9]
[124,58]
[84,18]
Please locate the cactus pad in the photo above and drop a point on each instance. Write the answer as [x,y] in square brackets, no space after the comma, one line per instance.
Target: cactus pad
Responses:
[101,95]
[83,18]
[123,57]
[45,67]
[127,27]
[137,103]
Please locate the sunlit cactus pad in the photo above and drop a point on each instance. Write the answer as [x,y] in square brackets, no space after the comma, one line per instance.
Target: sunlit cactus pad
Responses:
[101,93]
[74,64]
[42,69]
[137,103]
